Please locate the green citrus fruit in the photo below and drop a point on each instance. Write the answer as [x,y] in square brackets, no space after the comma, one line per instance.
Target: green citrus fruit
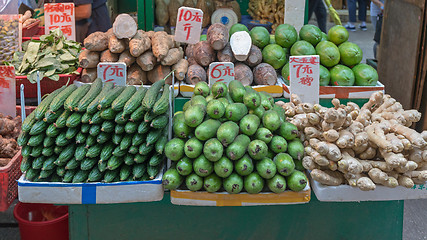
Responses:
[338,34]
[237,28]
[274,55]
[311,34]
[285,73]
[302,48]
[329,53]
[324,76]
[260,37]
[350,54]
[365,75]
[342,76]
[286,35]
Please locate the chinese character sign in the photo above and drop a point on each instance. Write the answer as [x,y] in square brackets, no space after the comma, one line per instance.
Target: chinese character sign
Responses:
[304,74]
[7,91]
[60,15]
[221,72]
[112,72]
[188,25]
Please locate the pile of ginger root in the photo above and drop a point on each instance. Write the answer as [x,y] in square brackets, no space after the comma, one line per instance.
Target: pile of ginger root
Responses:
[361,147]
[9,132]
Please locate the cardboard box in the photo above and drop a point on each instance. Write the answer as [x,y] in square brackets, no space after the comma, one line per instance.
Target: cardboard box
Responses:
[202,198]
[186,90]
[342,92]
[346,193]
[90,193]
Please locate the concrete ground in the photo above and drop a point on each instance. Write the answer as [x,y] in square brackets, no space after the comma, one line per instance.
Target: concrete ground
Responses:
[415,211]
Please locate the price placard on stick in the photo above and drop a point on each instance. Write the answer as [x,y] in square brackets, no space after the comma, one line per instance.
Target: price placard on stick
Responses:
[188,25]
[60,15]
[304,74]
[112,72]
[7,91]
[221,72]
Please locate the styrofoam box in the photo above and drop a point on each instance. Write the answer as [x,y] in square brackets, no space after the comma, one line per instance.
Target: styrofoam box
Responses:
[276,91]
[341,91]
[201,198]
[97,192]
[346,193]
[90,193]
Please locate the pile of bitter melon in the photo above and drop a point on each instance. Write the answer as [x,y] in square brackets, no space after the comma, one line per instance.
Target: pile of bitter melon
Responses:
[96,133]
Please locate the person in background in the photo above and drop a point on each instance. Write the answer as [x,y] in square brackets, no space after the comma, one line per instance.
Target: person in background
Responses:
[91,16]
[377,7]
[351,4]
[319,9]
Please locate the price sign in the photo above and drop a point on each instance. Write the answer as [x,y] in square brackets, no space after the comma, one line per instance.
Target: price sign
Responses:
[112,72]
[221,72]
[304,74]
[60,15]
[7,91]
[188,25]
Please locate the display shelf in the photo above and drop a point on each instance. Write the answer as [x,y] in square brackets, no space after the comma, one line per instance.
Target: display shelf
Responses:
[347,193]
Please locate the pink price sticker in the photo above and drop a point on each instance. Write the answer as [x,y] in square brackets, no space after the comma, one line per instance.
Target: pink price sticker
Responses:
[112,72]
[304,77]
[60,15]
[7,90]
[221,72]
[188,25]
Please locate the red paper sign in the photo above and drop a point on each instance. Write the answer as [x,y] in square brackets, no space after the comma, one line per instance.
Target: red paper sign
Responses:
[112,72]
[221,72]
[188,25]
[60,15]
[7,91]
[304,77]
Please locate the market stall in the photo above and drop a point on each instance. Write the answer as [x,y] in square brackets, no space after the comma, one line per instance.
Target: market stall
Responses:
[170,134]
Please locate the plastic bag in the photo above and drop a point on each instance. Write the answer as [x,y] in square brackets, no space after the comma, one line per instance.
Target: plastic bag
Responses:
[9,7]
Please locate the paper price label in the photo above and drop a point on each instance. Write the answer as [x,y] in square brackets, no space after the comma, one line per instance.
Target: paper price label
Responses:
[221,72]
[304,77]
[112,72]
[60,15]
[188,25]
[7,91]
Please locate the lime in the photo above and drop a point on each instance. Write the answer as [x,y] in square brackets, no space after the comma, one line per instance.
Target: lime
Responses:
[260,36]
[302,48]
[237,28]
[324,76]
[329,53]
[338,34]
[365,75]
[286,35]
[342,76]
[350,54]
[274,55]
[311,34]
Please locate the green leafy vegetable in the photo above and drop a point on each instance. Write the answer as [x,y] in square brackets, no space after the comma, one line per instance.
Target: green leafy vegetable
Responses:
[52,55]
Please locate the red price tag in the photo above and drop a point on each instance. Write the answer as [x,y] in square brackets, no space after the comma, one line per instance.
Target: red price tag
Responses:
[112,72]
[221,72]
[188,25]
[60,15]
[7,91]
[304,74]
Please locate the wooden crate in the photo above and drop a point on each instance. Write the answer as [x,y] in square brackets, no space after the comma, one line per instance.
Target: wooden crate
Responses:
[337,4]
